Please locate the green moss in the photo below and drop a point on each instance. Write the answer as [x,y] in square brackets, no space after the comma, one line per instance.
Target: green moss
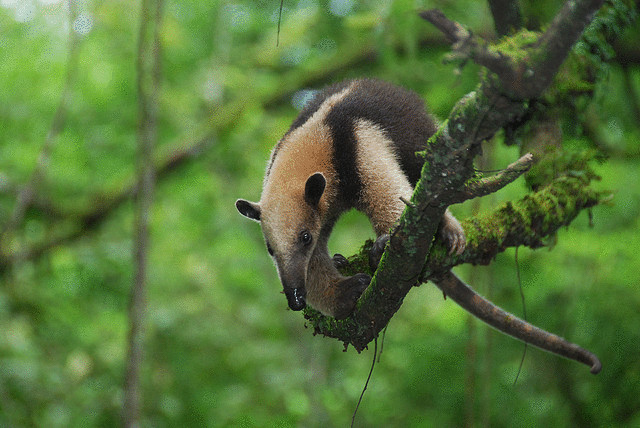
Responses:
[556,163]
[515,46]
[359,262]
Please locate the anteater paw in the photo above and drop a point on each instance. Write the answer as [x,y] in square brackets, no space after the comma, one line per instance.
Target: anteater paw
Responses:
[453,235]
[350,289]
[340,261]
[375,253]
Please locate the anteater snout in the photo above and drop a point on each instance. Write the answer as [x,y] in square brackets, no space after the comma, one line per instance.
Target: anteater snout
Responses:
[296,298]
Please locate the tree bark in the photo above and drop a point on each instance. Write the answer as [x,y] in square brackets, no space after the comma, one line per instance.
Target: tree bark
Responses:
[502,97]
[506,16]
[148,82]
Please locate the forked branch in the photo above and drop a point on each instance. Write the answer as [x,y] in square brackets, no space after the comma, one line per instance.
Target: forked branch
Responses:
[501,98]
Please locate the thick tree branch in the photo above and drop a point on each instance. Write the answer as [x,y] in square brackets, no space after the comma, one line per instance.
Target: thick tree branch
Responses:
[506,16]
[526,222]
[448,166]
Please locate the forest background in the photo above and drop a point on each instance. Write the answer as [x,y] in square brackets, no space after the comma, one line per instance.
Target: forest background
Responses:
[220,347]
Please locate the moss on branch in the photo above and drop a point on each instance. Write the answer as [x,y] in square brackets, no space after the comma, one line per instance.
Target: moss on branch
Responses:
[527,222]
[502,97]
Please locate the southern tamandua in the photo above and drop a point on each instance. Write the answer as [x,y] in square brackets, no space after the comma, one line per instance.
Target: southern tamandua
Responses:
[354,146]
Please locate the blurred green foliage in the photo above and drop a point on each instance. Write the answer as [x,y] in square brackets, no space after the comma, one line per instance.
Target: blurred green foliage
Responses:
[221,347]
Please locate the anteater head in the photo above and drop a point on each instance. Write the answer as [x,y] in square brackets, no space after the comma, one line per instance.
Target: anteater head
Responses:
[291,220]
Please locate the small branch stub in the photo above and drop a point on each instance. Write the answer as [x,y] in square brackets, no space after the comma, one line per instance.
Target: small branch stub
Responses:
[488,185]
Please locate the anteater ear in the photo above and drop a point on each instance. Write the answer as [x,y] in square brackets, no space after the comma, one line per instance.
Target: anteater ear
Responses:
[314,188]
[248,209]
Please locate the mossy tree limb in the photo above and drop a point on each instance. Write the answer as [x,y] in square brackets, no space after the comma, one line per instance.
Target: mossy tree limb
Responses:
[525,222]
[526,71]
[501,98]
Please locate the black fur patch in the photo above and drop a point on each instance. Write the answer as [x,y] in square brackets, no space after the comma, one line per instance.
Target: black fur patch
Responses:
[308,110]
[314,104]
[398,112]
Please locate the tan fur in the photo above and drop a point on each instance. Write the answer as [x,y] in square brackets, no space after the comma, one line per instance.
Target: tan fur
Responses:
[307,150]
[297,212]
[321,285]
[303,152]
[383,181]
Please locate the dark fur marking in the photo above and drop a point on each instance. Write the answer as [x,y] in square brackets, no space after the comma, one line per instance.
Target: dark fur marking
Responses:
[344,152]
[400,114]
[307,111]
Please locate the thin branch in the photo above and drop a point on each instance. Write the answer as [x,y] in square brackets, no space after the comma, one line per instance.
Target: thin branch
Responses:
[454,32]
[466,45]
[26,194]
[279,21]
[496,182]
[148,82]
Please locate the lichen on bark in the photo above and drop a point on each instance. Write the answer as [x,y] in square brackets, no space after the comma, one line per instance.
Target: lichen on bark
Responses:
[502,97]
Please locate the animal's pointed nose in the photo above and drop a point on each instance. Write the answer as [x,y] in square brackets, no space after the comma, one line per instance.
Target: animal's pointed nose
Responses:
[295,298]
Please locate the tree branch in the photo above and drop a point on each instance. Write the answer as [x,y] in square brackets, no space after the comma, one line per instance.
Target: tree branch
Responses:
[554,45]
[528,71]
[526,222]
[448,166]
[148,82]
[26,194]
[466,45]
[488,185]
[506,16]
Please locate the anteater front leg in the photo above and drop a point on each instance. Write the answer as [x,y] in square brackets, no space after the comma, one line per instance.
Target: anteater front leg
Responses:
[450,231]
[348,291]
[329,291]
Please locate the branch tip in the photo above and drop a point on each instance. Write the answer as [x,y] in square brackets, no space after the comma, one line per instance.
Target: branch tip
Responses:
[496,182]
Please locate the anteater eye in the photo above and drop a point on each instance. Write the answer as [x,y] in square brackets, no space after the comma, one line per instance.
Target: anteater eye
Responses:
[269,249]
[305,237]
